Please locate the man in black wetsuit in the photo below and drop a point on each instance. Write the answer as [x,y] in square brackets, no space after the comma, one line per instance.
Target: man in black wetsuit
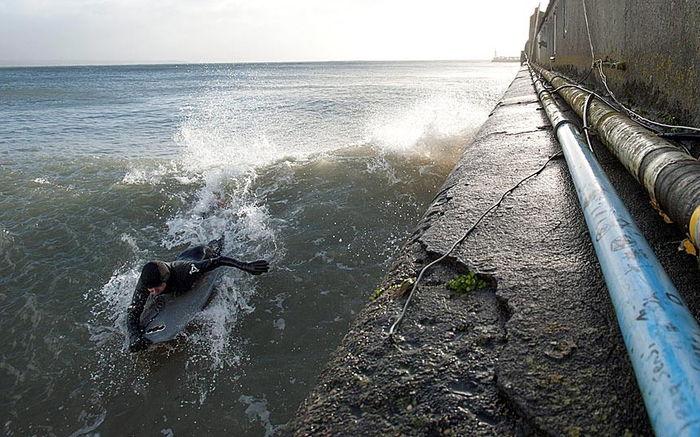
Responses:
[172,277]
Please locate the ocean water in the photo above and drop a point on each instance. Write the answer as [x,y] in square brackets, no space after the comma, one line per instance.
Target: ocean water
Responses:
[324,169]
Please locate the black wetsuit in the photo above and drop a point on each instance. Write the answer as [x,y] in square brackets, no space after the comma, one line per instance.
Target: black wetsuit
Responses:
[183,274]
[180,276]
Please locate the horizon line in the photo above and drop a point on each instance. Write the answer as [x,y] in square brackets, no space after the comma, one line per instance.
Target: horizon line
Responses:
[98,63]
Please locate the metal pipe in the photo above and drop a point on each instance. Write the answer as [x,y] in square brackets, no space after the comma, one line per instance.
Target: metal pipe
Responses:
[670,176]
[661,335]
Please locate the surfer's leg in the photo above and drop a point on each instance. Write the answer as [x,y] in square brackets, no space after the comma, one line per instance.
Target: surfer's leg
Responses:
[213,248]
[204,251]
[196,253]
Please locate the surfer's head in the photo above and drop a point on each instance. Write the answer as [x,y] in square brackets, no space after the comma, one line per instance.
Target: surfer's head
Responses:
[154,276]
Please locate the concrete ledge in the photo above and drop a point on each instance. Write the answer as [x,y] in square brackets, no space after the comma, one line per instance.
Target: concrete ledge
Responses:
[538,351]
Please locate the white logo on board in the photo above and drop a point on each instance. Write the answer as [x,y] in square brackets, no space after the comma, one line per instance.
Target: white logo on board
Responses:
[193,269]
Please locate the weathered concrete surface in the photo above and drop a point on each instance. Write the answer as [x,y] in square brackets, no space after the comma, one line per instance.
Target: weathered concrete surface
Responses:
[539,351]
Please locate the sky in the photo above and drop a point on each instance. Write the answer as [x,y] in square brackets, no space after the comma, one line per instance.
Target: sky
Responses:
[49,32]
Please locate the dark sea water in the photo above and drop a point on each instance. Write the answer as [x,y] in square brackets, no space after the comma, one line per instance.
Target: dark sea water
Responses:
[324,169]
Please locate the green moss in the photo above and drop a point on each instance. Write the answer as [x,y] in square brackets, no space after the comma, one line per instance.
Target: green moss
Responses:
[398,289]
[379,291]
[465,283]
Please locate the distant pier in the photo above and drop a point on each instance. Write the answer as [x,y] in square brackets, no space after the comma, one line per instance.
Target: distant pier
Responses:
[506,59]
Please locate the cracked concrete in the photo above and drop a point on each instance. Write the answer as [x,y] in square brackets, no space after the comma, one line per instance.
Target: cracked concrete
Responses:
[539,351]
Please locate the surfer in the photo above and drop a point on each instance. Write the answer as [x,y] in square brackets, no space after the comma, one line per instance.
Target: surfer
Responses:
[159,277]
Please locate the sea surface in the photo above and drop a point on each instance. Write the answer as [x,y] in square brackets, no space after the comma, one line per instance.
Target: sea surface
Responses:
[323,169]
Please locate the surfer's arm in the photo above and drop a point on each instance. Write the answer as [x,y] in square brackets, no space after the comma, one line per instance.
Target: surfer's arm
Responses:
[133,318]
[198,268]
[190,271]
[254,268]
[137,342]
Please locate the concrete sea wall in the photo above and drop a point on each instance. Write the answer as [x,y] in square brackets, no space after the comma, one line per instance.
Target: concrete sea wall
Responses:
[539,350]
[650,50]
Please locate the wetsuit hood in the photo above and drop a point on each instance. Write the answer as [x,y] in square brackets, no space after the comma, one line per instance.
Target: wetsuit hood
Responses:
[154,273]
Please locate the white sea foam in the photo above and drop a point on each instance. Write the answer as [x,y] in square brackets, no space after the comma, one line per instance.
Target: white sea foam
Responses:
[145,174]
[108,327]
[257,411]
[93,421]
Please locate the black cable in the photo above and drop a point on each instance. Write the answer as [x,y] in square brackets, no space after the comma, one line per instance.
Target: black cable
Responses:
[586,128]
[680,136]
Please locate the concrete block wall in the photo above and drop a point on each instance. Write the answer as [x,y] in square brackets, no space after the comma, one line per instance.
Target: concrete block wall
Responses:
[650,49]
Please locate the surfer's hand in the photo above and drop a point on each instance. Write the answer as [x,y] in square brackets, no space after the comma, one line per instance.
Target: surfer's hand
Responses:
[257,267]
[137,344]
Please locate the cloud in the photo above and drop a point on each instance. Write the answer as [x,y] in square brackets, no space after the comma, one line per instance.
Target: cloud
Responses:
[257,30]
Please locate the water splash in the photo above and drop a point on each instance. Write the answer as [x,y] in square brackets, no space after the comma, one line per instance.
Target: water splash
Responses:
[422,127]
[320,168]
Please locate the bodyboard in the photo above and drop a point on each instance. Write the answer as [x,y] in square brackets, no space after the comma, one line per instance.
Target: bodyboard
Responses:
[166,315]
